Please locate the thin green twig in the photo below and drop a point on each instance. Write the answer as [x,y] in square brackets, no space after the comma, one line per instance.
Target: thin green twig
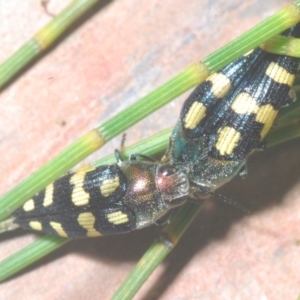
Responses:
[191,77]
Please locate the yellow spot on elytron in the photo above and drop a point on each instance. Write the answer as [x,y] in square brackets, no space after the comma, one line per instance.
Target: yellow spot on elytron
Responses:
[266,115]
[109,186]
[228,140]
[59,229]
[29,205]
[87,221]
[248,53]
[244,104]
[79,195]
[36,225]
[280,74]
[220,84]
[117,218]
[48,200]
[195,115]
[86,168]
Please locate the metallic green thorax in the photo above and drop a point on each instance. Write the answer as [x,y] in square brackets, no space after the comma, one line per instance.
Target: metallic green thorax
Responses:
[192,157]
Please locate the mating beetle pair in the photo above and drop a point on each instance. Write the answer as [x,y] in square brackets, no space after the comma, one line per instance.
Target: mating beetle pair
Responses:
[224,119]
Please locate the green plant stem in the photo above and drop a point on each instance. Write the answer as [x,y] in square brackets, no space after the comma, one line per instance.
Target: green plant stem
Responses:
[185,80]
[284,133]
[29,255]
[283,45]
[158,251]
[43,39]
[192,76]
[49,172]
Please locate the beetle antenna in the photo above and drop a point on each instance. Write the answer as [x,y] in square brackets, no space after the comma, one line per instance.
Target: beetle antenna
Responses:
[231,202]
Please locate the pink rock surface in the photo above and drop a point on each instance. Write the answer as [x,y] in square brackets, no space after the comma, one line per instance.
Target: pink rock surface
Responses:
[125,50]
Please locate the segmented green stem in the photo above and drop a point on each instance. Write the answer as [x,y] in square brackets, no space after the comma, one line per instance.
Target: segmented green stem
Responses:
[43,39]
[188,78]
[84,146]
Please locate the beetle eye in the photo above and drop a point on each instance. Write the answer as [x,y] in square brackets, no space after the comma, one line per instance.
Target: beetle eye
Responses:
[169,171]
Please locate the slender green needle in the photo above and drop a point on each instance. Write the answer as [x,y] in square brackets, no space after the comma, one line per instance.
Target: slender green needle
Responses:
[92,141]
[194,75]
[184,81]
[283,45]
[43,39]
[287,113]
[29,255]
[285,18]
[49,172]
[138,276]
[151,146]
[158,251]
[173,232]
[284,133]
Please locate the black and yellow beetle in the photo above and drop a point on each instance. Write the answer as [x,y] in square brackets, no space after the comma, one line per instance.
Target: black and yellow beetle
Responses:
[112,241]
[109,199]
[221,123]
[228,116]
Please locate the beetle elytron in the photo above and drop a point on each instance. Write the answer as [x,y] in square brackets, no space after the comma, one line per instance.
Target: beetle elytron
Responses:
[224,120]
